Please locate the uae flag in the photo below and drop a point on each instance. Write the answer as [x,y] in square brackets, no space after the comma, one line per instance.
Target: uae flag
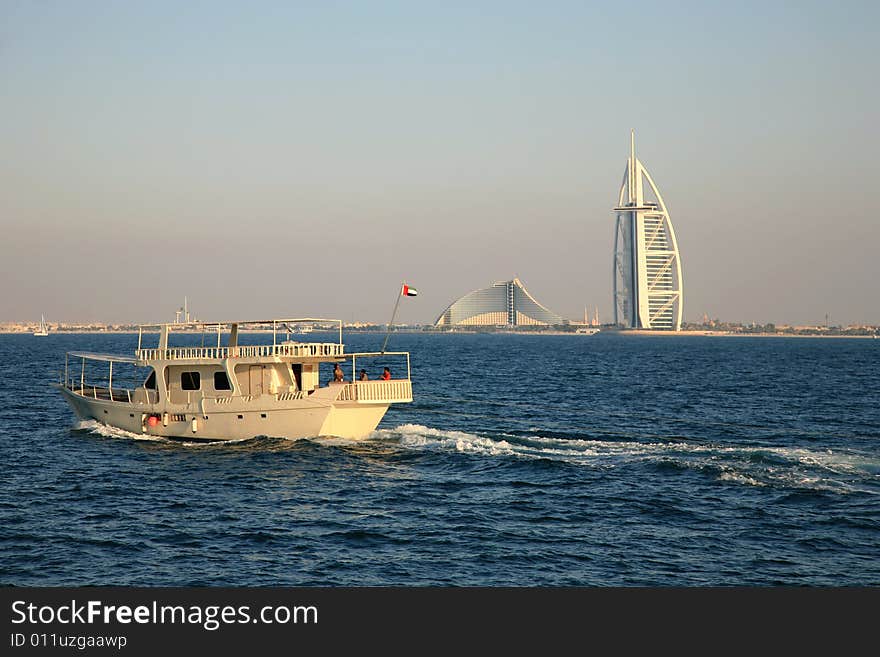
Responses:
[408,291]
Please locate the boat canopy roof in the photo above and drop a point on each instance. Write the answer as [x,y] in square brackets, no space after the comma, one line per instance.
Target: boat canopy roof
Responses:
[283,325]
[242,322]
[105,357]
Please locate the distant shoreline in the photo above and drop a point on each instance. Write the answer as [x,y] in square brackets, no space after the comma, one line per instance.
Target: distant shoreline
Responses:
[730,334]
[672,334]
[622,332]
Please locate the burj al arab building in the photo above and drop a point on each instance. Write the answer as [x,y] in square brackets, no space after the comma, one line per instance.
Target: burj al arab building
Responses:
[647,266]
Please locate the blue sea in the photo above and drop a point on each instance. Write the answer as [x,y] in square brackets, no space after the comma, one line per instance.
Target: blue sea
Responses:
[525,460]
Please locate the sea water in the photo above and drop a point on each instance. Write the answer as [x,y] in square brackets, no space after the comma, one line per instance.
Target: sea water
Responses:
[525,460]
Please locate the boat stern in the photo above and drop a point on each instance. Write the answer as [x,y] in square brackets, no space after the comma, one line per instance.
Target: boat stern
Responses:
[360,406]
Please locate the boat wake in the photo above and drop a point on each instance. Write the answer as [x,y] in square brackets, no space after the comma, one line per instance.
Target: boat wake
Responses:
[782,467]
[791,468]
[96,428]
[91,426]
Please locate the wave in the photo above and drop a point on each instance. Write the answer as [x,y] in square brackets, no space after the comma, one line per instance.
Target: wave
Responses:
[828,470]
[419,436]
[94,427]
[833,471]
[97,428]
[533,446]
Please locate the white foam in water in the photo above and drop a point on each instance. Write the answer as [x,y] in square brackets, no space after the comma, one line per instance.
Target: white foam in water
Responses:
[739,478]
[418,436]
[835,461]
[573,450]
[114,432]
[333,441]
[796,468]
[111,432]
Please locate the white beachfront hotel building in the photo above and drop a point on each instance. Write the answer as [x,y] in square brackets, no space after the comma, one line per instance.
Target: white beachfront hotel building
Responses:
[647,266]
[506,303]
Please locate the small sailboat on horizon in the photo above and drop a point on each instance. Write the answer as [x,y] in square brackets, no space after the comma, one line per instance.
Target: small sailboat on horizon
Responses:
[44,328]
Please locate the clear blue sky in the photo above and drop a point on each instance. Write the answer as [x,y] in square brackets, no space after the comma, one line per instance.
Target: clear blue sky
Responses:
[276,158]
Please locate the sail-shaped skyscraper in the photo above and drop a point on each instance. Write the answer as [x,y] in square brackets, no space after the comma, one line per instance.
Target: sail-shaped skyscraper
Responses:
[647,267]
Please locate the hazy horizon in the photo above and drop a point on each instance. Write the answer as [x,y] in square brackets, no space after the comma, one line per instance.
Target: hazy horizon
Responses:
[269,159]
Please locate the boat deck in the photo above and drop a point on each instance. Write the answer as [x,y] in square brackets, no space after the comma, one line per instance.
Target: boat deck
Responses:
[393,391]
[125,395]
[322,350]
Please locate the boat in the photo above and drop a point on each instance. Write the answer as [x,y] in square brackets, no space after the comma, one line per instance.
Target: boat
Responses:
[235,391]
[44,328]
[588,330]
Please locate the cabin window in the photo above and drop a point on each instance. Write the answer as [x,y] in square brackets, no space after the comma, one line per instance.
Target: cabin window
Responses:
[221,381]
[190,381]
[151,381]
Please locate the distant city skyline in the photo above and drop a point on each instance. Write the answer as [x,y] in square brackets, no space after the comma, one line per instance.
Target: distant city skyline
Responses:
[268,159]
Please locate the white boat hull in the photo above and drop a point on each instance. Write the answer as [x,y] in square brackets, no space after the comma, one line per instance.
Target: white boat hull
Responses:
[297,418]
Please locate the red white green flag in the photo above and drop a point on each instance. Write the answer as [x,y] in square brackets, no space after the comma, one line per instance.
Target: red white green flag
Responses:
[408,291]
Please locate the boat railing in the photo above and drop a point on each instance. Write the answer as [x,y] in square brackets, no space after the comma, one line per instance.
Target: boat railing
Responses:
[360,391]
[138,395]
[74,380]
[228,399]
[399,390]
[283,349]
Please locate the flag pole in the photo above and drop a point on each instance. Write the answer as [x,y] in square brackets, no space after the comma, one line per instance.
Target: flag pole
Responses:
[393,315]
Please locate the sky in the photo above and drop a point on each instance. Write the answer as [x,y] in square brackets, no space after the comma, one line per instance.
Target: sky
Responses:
[284,159]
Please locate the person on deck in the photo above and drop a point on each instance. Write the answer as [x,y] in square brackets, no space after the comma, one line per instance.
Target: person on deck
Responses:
[386,374]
